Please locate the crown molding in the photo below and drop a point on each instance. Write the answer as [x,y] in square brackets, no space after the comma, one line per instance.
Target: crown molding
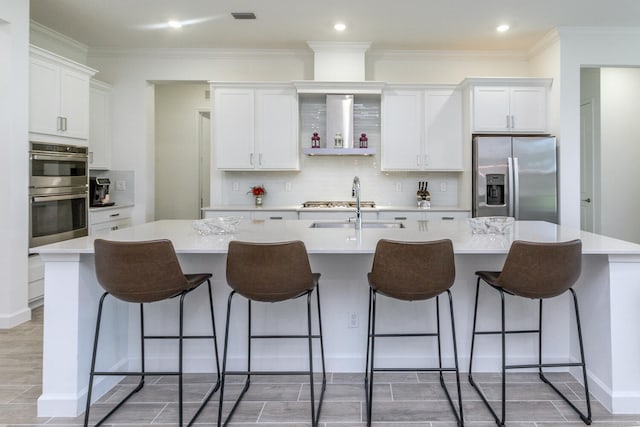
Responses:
[545,42]
[426,54]
[197,53]
[36,27]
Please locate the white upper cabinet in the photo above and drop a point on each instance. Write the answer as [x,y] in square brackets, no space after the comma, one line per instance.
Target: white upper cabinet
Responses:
[510,108]
[255,128]
[100,125]
[422,129]
[58,96]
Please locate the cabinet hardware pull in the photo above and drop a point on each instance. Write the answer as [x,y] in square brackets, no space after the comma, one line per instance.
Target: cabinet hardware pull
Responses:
[508,122]
[114,215]
[59,123]
[90,157]
[260,159]
[251,159]
[64,124]
[447,218]
[275,217]
[513,123]
[397,218]
[418,160]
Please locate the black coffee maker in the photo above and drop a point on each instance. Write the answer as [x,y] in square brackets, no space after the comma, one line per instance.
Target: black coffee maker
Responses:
[99,192]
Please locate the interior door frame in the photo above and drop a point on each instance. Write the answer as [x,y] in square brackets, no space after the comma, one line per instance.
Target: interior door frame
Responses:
[204,159]
[595,222]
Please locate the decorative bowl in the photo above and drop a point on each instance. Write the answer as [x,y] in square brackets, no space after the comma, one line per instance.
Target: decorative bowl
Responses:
[491,224]
[218,225]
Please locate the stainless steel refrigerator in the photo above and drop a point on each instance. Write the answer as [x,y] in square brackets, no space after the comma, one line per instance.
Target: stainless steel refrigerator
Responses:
[515,176]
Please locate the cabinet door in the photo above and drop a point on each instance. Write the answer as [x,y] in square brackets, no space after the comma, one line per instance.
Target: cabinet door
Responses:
[443,134]
[233,128]
[401,130]
[528,109]
[276,129]
[74,103]
[491,111]
[44,87]
[99,128]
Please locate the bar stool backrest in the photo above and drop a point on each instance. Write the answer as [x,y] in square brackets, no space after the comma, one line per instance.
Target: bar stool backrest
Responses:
[413,271]
[139,272]
[541,270]
[269,272]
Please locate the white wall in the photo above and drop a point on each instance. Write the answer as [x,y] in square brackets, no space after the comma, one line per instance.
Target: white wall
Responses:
[620,152]
[584,47]
[14,119]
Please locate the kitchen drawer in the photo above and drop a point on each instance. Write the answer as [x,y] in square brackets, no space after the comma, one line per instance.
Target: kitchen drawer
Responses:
[275,215]
[110,225]
[246,215]
[401,216]
[439,216]
[104,215]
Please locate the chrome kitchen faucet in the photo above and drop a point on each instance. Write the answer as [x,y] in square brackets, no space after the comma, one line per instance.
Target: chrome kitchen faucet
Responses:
[355,192]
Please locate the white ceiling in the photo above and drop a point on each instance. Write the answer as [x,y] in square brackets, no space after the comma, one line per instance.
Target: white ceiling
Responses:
[388,24]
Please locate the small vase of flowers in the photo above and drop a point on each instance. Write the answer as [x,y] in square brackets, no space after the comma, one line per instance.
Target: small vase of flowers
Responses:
[258,192]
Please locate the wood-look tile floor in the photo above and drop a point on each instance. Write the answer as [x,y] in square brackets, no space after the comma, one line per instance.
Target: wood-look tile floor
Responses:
[401,399]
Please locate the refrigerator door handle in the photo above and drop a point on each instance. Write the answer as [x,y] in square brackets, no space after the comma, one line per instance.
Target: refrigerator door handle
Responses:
[510,185]
[516,187]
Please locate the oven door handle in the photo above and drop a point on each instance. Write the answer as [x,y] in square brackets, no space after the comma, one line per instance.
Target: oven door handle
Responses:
[74,156]
[39,199]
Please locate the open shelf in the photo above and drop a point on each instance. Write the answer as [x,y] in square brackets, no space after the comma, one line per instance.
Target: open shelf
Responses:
[339,151]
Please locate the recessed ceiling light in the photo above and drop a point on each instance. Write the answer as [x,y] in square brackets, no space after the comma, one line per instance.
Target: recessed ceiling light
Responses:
[340,26]
[174,24]
[502,28]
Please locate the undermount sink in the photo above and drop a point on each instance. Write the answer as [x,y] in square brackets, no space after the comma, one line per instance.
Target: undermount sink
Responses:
[352,224]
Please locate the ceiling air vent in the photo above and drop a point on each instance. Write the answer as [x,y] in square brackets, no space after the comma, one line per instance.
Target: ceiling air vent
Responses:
[243,15]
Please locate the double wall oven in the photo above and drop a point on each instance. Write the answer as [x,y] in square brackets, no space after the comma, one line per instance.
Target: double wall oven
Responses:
[58,193]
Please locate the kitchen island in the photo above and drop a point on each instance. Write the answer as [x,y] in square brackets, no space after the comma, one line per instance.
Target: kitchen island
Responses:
[608,292]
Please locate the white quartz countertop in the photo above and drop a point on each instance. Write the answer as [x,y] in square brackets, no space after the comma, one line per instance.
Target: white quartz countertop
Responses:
[299,208]
[348,240]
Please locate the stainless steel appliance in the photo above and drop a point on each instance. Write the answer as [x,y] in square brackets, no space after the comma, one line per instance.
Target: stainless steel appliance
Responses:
[58,193]
[515,176]
[99,192]
[339,121]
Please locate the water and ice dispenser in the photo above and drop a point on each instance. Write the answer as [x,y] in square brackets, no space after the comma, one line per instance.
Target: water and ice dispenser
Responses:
[495,189]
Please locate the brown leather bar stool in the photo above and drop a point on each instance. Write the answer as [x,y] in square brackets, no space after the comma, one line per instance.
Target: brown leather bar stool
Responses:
[412,271]
[141,273]
[272,272]
[536,271]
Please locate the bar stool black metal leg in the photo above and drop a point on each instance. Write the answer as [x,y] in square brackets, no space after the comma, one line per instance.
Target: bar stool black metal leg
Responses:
[314,421]
[224,358]
[371,366]
[438,339]
[587,418]
[324,372]
[93,359]
[180,353]
[473,334]
[540,374]
[504,361]
[366,363]
[460,417]
[215,351]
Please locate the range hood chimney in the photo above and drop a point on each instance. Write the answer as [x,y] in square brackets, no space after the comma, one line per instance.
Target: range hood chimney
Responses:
[339,61]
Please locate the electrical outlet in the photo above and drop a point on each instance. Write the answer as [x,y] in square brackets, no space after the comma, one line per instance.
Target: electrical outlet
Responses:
[287,186]
[234,186]
[443,186]
[353,320]
[399,187]
[121,185]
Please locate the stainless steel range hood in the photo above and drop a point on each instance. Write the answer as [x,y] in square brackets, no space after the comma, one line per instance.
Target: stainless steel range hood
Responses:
[340,121]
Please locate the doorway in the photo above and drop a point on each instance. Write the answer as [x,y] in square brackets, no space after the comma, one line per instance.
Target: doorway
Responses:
[182,139]
[587,200]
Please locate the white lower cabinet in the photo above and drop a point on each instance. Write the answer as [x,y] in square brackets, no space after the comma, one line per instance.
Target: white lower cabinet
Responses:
[422,215]
[249,215]
[109,219]
[36,280]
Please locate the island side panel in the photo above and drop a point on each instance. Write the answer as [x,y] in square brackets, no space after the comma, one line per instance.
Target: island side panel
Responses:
[71,294]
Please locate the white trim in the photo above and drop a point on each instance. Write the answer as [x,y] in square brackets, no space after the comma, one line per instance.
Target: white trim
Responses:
[8,321]
[400,54]
[59,37]
[45,54]
[197,53]
[545,42]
